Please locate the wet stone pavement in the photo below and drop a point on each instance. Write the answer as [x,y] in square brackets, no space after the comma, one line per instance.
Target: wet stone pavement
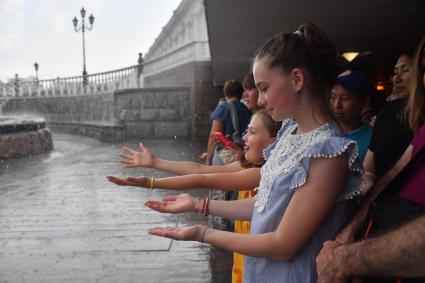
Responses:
[62,221]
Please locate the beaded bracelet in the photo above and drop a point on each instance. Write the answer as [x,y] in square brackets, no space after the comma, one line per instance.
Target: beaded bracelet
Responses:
[205,210]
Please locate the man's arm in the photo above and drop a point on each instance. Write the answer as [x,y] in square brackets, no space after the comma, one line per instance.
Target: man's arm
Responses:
[357,220]
[398,253]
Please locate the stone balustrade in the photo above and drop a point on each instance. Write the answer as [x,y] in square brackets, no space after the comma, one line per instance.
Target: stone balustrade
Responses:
[129,77]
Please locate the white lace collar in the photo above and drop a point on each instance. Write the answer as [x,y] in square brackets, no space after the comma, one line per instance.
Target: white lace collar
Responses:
[284,156]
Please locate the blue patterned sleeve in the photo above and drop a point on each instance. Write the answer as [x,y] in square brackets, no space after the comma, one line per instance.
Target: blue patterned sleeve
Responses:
[331,148]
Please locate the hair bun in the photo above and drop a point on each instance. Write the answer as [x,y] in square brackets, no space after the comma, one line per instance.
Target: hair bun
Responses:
[323,49]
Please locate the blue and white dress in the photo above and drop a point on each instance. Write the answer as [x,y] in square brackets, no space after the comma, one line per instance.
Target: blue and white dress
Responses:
[286,170]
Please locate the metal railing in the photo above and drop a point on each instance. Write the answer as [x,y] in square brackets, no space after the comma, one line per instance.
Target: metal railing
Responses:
[129,77]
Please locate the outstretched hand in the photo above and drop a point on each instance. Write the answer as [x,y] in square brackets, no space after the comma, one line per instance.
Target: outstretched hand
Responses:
[174,204]
[190,233]
[133,158]
[130,181]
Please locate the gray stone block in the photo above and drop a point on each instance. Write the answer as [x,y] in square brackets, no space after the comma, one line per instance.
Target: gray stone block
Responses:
[168,114]
[122,115]
[172,99]
[160,100]
[139,130]
[148,114]
[129,115]
[172,130]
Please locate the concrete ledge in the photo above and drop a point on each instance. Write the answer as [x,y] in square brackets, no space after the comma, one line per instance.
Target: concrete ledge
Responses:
[21,125]
[102,131]
[149,89]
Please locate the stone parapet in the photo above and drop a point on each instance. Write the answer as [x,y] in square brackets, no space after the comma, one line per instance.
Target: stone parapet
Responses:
[154,112]
[97,108]
[130,113]
[103,132]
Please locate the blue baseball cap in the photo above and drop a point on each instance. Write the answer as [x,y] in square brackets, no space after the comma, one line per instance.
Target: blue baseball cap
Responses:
[354,81]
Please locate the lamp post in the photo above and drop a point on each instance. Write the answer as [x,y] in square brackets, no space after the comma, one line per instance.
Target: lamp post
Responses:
[36,70]
[83,28]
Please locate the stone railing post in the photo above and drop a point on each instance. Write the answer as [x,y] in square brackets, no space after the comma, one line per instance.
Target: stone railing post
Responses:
[139,69]
[17,87]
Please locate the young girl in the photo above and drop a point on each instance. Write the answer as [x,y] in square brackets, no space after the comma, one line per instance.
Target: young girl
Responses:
[310,177]
[262,131]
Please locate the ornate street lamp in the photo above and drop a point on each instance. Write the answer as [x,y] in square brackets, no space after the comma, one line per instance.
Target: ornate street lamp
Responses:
[36,70]
[83,28]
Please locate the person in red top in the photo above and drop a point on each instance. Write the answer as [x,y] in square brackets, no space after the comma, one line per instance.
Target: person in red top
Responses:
[415,114]
[414,189]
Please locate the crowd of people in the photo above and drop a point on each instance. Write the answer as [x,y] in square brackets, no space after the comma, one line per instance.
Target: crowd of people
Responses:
[320,190]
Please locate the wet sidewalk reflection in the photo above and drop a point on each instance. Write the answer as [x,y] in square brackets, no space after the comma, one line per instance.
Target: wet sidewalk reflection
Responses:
[62,221]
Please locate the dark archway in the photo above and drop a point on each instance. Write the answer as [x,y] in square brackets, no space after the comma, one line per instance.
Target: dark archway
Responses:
[383,27]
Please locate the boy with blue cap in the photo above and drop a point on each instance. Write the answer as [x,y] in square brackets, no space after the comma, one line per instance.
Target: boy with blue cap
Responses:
[349,97]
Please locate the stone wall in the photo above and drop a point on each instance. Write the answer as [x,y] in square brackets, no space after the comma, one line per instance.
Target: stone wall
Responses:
[131,113]
[154,112]
[96,108]
[204,96]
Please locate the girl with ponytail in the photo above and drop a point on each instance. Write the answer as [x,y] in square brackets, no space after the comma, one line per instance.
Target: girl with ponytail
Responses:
[311,179]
